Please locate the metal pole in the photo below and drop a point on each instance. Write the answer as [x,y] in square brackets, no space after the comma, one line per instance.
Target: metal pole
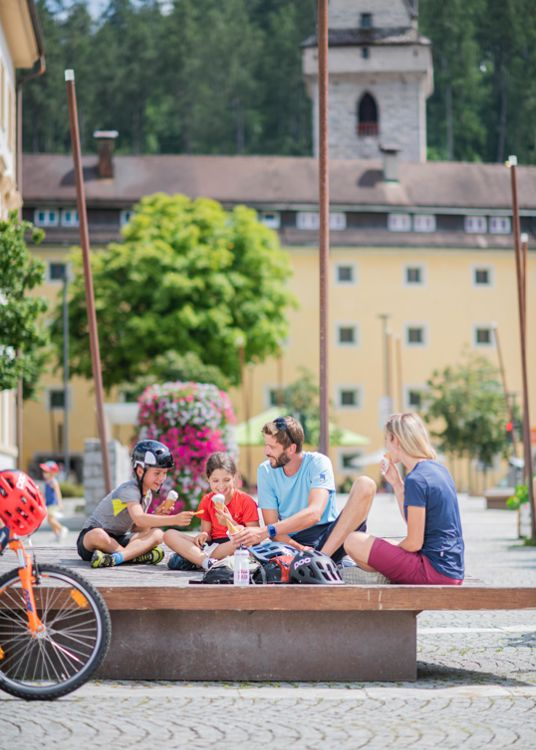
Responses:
[398,352]
[512,163]
[66,394]
[88,279]
[509,405]
[280,387]
[245,406]
[323,197]
[387,407]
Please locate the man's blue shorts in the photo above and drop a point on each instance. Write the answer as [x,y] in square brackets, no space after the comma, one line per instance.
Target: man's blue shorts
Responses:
[316,536]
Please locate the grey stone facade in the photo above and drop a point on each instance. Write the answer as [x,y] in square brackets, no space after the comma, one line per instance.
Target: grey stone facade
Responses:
[390,62]
[94,489]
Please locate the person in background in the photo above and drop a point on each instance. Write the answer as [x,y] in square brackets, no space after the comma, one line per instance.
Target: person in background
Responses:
[53,498]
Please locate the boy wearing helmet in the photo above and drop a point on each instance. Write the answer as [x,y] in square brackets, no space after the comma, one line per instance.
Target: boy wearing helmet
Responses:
[107,538]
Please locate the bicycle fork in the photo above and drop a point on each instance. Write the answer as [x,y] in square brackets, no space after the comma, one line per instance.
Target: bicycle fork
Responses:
[25,569]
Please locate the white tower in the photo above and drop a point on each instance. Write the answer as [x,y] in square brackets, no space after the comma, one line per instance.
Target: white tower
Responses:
[380,75]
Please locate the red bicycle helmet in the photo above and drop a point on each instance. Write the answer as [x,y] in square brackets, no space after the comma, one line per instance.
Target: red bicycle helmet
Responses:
[22,507]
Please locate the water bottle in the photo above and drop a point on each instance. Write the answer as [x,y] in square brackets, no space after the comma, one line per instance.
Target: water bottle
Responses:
[241,567]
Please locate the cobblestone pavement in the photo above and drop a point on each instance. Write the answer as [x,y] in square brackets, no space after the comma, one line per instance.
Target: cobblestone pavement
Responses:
[476,685]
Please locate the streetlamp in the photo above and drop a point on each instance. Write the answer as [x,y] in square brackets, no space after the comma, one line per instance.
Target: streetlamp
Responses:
[386,401]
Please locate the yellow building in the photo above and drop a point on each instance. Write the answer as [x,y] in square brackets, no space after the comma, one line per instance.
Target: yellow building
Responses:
[20,47]
[431,248]
[428,246]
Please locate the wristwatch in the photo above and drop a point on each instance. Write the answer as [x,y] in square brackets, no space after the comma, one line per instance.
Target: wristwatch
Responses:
[272,531]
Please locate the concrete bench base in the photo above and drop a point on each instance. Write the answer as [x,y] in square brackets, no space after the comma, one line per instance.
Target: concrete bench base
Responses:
[268,645]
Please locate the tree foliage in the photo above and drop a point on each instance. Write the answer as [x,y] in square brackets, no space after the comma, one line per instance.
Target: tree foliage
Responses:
[225,77]
[188,277]
[23,339]
[466,404]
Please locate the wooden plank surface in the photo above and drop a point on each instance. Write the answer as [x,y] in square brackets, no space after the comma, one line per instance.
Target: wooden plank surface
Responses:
[318,598]
[143,587]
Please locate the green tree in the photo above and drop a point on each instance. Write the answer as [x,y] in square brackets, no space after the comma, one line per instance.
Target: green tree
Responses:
[188,277]
[456,129]
[466,405]
[22,353]
[172,367]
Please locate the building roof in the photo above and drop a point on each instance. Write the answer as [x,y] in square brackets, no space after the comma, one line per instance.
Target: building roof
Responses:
[278,182]
[369,37]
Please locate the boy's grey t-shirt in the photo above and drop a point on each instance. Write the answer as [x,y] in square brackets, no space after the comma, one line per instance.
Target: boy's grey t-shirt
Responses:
[112,511]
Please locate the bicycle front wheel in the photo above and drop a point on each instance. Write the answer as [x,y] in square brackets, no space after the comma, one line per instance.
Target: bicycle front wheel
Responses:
[70,647]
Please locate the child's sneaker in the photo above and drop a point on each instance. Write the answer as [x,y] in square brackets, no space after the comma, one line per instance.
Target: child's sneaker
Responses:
[102,560]
[177,562]
[153,557]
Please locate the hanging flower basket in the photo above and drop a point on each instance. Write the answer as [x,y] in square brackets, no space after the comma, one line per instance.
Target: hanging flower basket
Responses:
[193,420]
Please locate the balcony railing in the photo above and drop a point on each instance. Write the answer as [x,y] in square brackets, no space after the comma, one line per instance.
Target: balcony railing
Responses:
[367,129]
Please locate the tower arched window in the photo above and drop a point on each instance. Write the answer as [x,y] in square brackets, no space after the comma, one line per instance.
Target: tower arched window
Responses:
[367,116]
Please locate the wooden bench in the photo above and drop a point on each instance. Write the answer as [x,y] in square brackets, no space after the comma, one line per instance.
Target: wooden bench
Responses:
[165,628]
[290,633]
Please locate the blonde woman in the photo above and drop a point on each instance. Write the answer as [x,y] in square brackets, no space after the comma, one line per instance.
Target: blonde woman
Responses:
[432,550]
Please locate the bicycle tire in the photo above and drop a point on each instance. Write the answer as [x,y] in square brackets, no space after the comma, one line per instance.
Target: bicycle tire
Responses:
[75,641]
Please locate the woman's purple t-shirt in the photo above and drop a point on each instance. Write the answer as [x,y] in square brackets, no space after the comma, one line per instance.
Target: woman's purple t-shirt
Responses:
[430,486]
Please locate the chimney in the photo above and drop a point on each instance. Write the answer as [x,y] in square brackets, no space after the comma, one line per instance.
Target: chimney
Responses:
[390,162]
[105,148]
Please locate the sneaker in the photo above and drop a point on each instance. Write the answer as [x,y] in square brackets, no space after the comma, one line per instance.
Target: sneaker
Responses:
[101,560]
[357,576]
[153,557]
[63,533]
[177,562]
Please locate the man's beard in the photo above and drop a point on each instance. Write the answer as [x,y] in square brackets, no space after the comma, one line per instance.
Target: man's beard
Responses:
[283,460]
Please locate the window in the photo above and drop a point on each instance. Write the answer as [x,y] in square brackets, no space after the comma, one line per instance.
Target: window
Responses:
[348,398]
[367,116]
[415,335]
[274,397]
[500,225]
[125,217]
[56,271]
[56,398]
[482,276]
[399,222]
[69,217]
[310,220]
[483,335]
[475,224]
[307,220]
[347,335]
[46,217]
[414,275]
[365,20]
[424,223]
[346,461]
[271,219]
[345,274]
[337,221]
[413,399]
[365,53]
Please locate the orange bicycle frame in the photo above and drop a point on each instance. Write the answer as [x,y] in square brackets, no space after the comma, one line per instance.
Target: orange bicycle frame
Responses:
[26,578]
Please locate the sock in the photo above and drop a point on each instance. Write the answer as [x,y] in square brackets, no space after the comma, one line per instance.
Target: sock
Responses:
[207,563]
[117,557]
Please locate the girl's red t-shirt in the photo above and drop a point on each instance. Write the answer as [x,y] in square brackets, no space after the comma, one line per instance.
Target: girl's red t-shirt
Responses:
[242,507]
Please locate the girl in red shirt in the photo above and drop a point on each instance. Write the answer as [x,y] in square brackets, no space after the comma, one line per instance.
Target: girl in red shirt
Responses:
[240,508]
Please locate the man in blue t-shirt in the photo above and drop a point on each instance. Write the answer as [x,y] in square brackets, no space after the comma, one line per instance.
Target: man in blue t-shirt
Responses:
[296,492]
